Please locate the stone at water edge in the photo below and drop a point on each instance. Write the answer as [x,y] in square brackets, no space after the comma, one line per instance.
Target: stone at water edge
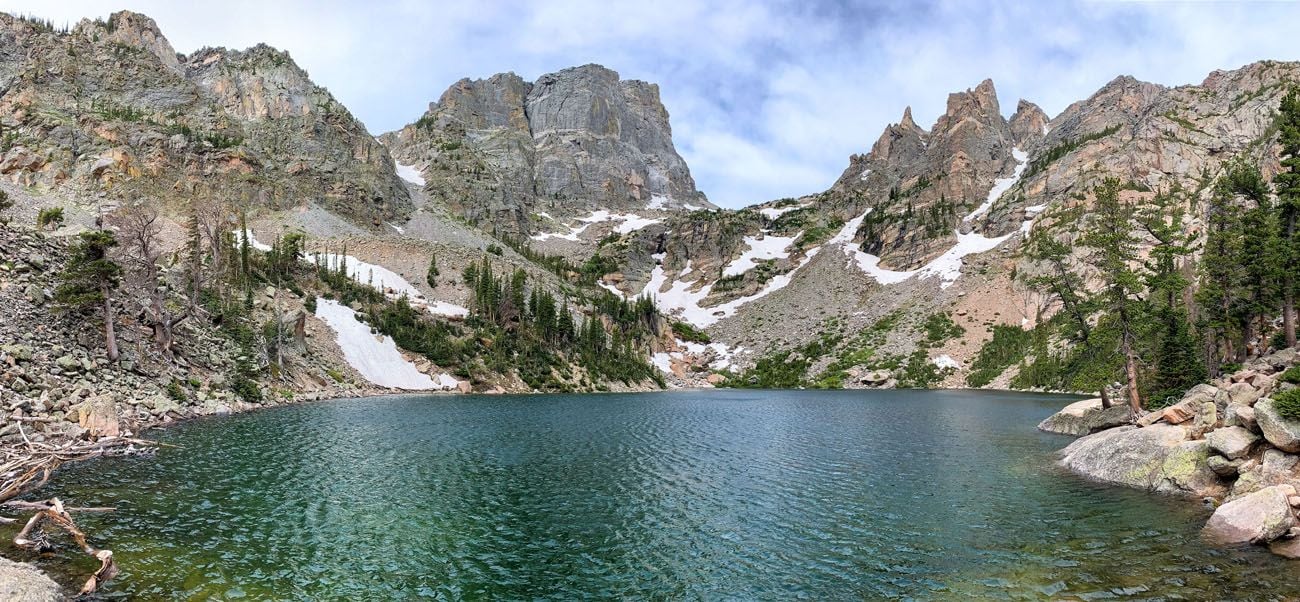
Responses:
[1272,468]
[1234,442]
[1259,517]
[25,583]
[1283,433]
[1157,458]
[1222,466]
[98,415]
[1084,417]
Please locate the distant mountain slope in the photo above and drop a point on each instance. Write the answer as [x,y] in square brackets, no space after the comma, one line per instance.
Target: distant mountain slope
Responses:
[109,106]
[517,156]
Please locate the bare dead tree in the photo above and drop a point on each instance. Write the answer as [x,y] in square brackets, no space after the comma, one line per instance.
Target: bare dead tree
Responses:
[139,228]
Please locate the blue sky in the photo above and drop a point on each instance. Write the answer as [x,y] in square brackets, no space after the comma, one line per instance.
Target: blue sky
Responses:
[767,99]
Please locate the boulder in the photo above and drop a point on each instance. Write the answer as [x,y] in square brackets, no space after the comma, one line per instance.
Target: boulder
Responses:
[1180,412]
[1283,433]
[1241,416]
[1286,548]
[1281,360]
[25,583]
[98,415]
[1084,417]
[1158,458]
[1273,468]
[876,377]
[716,379]
[22,353]
[67,363]
[1243,393]
[1233,442]
[1223,467]
[1260,517]
[464,386]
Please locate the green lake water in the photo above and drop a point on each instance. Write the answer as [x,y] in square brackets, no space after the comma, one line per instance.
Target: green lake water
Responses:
[736,495]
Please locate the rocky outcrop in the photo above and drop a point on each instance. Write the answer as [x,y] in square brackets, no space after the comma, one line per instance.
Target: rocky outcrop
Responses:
[1260,517]
[246,127]
[1084,417]
[25,583]
[502,150]
[1160,458]
[1283,433]
[1233,442]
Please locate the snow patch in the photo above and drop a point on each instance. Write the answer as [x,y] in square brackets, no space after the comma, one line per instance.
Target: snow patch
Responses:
[252,241]
[775,212]
[866,173]
[768,247]
[375,357]
[450,310]
[658,202]
[663,361]
[683,302]
[410,173]
[948,265]
[945,362]
[1001,185]
[631,223]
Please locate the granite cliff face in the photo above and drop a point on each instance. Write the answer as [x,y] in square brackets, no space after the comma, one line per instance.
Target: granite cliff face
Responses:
[506,153]
[110,108]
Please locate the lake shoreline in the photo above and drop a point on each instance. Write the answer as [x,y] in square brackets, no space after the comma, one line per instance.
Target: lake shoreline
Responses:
[313,397]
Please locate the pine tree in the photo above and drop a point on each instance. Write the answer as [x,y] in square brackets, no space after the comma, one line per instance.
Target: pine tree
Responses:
[1288,193]
[1220,273]
[89,279]
[1113,252]
[431,276]
[1177,366]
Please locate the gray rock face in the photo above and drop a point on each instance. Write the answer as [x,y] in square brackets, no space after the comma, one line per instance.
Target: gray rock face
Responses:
[1233,442]
[1084,417]
[1283,433]
[1256,518]
[25,583]
[246,127]
[571,142]
[1157,458]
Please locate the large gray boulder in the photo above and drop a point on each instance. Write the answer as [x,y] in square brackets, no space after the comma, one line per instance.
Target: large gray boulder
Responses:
[1283,433]
[1084,417]
[1259,517]
[25,583]
[1233,442]
[1158,458]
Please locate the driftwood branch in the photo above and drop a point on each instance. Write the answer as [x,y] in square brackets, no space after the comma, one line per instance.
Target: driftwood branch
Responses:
[26,468]
[53,512]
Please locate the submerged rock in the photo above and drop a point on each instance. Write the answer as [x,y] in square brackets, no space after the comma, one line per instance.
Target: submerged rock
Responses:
[1283,433]
[1158,458]
[1259,517]
[25,583]
[1084,417]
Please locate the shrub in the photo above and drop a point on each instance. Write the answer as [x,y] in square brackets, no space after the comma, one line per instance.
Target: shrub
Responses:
[50,216]
[689,333]
[1287,404]
[175,391]
[1292,375]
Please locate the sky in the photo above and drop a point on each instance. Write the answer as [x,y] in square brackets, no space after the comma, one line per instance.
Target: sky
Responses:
[768,98]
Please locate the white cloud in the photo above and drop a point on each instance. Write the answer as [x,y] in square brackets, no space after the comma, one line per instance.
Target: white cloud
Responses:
[767,99]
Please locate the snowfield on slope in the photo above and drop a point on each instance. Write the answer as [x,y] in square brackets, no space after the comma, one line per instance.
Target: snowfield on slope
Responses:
[631,223]
[948,265]
[377,277]
[768,247]
[375,357]
[410,173]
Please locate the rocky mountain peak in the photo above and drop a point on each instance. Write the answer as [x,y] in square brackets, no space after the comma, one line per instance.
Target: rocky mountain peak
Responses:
[1028,125]
[139,31]
[572,142]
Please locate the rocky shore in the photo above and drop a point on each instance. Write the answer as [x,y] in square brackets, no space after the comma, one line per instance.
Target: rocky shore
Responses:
[1224,444]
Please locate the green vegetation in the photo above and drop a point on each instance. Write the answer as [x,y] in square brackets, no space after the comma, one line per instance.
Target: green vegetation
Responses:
[1008,346]
[175,391]
[49,217]
[89,279]
[1287,404]
[1291,375]
[5,205]
[686,332]
[1062,149]
[431,275]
